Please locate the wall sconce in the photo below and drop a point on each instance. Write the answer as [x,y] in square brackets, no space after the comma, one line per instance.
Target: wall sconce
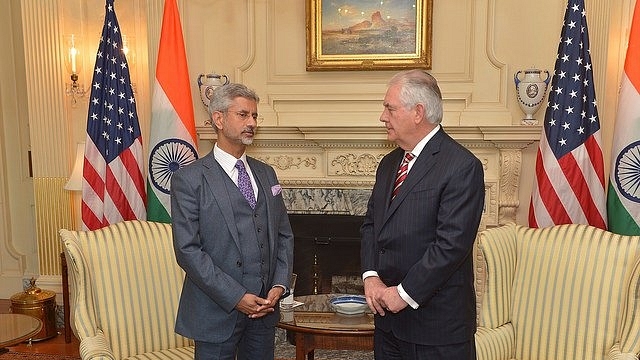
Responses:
[75,179]
[128,43]
[73,62]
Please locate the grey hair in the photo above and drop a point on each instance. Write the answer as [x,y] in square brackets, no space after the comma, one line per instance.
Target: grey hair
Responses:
[420,87]
[223,96]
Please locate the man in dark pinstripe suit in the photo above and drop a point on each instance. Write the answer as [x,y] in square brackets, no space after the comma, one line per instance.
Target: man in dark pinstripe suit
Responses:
[417,240]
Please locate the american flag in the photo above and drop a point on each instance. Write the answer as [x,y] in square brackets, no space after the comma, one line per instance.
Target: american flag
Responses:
[569,187]
[113,189]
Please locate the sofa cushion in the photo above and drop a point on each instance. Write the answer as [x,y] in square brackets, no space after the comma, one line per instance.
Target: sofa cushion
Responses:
[184,353]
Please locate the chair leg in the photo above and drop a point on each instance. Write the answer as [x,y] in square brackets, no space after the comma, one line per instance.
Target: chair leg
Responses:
[65,298]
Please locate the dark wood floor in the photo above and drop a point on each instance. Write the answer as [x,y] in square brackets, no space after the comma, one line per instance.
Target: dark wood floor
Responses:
[55,345]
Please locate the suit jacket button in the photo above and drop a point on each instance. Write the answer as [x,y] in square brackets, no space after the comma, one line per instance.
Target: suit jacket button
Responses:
[239,263]
[382,251]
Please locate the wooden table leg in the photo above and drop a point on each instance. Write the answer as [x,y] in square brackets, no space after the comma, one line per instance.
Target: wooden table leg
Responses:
[65,298]
[304,346]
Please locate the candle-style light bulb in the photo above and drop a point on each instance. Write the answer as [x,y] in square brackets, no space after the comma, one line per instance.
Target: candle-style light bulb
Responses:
[73,54]
[125,45]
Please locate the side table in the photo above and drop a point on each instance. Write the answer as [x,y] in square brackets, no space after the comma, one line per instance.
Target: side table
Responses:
[316,326]
[16,328]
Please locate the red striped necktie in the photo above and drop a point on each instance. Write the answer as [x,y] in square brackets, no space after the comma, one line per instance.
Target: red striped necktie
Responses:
[402,174]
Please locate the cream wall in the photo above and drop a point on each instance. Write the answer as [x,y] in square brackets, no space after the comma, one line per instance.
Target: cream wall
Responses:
[18,253]
[477,47]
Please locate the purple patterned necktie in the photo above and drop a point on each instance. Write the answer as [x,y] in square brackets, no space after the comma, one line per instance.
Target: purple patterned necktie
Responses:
[244,184]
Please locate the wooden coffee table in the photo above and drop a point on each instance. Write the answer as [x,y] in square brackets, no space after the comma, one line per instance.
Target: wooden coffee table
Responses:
[16,328]
[316,326]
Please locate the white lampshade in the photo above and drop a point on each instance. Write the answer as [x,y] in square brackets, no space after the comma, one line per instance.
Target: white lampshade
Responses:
[75,179]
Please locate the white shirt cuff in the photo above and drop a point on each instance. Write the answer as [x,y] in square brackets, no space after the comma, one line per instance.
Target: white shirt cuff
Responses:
[369,273]
[403,294]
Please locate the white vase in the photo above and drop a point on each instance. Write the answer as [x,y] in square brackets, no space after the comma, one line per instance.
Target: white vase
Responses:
[207,83]
[531,90]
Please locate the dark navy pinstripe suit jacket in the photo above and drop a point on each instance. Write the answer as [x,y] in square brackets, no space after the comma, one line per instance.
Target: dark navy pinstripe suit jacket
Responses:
[424,240]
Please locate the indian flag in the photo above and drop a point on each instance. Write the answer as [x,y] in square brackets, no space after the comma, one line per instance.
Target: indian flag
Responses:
[173,132]
[623,200]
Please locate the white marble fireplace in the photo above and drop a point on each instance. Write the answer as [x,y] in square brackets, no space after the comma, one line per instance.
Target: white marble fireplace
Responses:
[331,170]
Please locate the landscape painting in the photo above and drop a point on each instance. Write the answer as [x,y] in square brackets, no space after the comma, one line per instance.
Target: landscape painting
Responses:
[368,35]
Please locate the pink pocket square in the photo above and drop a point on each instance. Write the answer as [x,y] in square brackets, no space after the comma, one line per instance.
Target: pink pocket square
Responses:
[276,189]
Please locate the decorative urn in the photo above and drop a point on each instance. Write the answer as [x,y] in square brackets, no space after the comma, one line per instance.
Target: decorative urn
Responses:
[531,89]
[40,304]
[207,83]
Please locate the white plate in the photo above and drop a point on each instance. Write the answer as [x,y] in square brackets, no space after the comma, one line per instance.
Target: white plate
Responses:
[349,304]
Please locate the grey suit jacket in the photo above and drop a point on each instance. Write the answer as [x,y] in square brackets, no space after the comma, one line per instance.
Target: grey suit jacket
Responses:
[423,240]
[207,246]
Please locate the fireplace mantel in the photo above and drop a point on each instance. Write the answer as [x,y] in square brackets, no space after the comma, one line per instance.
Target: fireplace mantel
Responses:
[353,134]
[332,169]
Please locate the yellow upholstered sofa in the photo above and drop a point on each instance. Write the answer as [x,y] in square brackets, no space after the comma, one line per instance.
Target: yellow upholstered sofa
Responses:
[564,292]
[125,286]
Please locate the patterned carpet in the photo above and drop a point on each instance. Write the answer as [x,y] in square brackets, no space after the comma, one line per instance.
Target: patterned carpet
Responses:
[283,352]
[286,351]
[331,355]
[12,355]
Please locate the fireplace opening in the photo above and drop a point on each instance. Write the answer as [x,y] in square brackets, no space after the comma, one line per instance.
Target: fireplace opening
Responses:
[327,253]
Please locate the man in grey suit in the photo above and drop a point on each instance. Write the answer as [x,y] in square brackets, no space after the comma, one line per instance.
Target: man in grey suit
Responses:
[418,233]
[232,237]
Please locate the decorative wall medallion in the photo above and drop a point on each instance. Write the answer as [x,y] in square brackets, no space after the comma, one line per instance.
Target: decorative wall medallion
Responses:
[357,165]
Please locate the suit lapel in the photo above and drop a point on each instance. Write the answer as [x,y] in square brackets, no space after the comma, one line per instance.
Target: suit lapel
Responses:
[422,166]
[261,178]
[215,179]
[390,179]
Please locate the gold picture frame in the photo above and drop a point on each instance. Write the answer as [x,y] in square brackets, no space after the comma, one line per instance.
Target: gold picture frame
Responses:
[368,35]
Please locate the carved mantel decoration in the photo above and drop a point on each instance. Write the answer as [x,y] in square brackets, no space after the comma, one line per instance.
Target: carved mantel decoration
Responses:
[332,169]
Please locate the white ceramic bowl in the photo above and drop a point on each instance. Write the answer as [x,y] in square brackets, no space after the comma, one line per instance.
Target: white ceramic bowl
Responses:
[349,304]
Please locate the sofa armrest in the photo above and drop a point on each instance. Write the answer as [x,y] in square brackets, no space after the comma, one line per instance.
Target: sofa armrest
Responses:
[84,322]
[495,344]
[96,348]
[616,354]
[498,252]
[628,342]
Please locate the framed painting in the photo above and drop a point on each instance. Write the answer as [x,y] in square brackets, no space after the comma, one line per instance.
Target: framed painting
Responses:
[368,35]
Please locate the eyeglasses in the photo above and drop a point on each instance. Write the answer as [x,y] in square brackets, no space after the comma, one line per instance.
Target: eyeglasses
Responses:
[244,115]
